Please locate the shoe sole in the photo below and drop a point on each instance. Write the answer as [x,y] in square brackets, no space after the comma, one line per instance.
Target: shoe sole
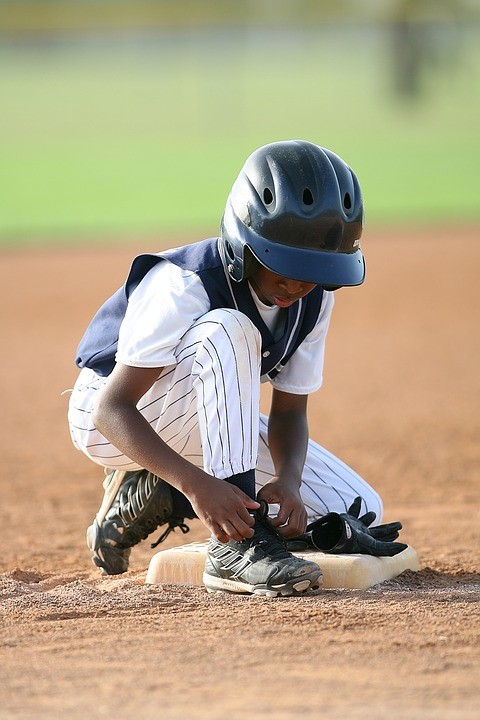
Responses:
[98,559]
[297,586]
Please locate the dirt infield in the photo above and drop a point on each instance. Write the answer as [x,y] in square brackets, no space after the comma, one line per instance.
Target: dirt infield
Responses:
[400,404]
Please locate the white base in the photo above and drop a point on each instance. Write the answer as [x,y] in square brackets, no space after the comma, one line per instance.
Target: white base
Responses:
[184,565]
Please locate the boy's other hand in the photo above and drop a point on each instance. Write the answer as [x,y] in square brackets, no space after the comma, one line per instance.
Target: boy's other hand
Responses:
[291,519]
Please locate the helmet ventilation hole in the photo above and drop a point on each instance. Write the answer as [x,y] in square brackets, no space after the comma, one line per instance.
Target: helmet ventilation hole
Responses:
[307,197]
[267,196]
[347,201]
[229,251]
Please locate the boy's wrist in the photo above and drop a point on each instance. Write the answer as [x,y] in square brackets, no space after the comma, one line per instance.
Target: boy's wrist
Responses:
[288,478]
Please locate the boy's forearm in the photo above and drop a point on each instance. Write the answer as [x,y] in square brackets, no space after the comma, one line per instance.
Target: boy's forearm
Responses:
[131,433]
[288,441]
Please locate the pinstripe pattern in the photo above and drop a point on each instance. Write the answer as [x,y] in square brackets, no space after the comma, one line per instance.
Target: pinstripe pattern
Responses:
[206,407]
[231,357]
[212,393]
[328,484]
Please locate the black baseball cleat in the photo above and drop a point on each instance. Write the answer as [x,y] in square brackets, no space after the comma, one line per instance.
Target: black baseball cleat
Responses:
[134,505]
[260,565]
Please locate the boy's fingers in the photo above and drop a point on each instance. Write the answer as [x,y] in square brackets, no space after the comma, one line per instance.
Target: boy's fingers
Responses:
[244,523]
[238,521]
[237,530]
[248,502]
[282,517]
[231,531]
[243,514]
[290,522]
[220,534]
[252,504]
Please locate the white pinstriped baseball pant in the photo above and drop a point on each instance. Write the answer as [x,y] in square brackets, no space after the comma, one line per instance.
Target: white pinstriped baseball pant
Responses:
[206,407]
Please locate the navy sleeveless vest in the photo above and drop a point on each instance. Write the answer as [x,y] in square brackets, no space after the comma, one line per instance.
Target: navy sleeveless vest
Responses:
[98,346]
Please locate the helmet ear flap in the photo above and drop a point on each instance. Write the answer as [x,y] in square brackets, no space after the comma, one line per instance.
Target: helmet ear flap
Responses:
[229,252]
[232,244]
[230,261]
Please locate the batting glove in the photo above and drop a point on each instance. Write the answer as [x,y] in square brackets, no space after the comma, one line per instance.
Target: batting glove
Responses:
[339,533]
[348,533]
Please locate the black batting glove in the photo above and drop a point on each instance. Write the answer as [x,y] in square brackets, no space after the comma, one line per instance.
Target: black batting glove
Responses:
[342,533]
[338,533]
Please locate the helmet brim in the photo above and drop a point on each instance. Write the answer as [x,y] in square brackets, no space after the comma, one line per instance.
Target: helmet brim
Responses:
[313,266]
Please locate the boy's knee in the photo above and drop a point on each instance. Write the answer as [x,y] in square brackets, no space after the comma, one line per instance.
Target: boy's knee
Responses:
[239,328]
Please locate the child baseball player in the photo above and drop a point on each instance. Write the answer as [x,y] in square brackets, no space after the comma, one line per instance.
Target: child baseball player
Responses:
[167,400]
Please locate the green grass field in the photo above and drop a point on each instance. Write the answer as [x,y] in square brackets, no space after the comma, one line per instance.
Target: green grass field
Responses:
[122,140]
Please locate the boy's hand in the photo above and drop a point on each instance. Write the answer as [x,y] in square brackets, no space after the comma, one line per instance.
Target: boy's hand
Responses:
[223,509]
[291,519]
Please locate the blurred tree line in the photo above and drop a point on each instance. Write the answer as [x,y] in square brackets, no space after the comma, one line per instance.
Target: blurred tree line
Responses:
[423,35]
[22,17]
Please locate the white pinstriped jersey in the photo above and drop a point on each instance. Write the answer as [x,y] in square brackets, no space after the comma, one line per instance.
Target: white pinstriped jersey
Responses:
[167,303]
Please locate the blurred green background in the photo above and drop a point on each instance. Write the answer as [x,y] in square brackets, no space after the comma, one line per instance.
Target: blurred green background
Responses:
[124,119]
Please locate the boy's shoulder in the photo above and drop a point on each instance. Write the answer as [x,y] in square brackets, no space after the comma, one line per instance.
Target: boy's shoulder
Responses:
[197,257]
[201,255]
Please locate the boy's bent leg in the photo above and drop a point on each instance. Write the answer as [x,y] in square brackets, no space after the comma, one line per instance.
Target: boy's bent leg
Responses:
[328,484]
[213,391]
[226,380]
[215,384]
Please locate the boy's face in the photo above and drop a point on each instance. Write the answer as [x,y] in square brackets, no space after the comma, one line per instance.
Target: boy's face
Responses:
[273,289]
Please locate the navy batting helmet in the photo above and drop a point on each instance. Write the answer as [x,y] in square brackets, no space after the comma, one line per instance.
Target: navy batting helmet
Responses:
[298,208]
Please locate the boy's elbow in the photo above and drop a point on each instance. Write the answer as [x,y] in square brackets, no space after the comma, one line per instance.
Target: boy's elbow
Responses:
[110,414]
[102,416]
[98,418]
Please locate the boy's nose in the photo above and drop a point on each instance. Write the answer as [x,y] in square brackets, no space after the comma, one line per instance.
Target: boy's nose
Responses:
[292,287]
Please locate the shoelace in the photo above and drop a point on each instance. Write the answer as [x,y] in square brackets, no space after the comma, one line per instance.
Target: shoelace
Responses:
[267,536]
[172,524]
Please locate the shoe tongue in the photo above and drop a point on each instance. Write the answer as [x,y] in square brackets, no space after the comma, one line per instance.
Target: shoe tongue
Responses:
[272,542]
